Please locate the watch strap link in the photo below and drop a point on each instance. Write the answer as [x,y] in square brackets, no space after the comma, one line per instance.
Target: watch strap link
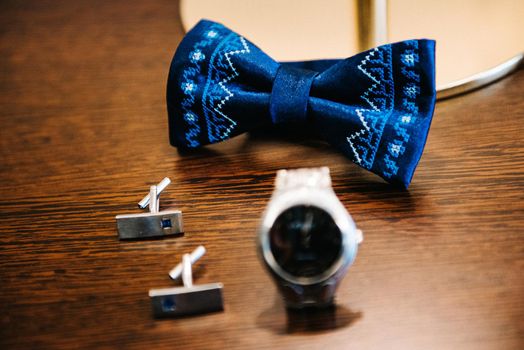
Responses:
[304,177]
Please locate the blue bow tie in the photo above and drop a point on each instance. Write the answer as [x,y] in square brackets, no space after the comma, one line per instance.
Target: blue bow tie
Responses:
[376,107]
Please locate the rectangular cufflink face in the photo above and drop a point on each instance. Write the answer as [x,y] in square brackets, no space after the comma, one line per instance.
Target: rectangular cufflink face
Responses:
[146,225]
[182,301]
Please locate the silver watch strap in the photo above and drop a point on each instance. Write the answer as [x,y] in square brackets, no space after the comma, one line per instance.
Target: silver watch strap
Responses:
[305,177]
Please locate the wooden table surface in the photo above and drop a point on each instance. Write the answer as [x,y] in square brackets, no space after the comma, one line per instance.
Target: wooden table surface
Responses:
[84,133]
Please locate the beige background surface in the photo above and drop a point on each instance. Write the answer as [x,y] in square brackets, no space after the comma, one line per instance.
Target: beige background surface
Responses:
[472,35]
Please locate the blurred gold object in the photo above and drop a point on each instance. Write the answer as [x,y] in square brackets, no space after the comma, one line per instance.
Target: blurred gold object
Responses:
[372,23]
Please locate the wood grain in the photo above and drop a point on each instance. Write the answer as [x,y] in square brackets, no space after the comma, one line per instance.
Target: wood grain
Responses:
[84,133]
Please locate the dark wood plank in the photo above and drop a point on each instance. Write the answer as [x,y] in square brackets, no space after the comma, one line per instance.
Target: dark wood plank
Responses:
[82,88]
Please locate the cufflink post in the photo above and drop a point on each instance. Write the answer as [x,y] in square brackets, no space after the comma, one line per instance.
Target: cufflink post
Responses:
[156,223]
[159,188]
[189,299]
[176,272]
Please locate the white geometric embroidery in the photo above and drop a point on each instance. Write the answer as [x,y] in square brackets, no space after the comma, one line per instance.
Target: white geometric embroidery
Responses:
[350,139]
[376,65]
[411,90]
[211,34]
[405,122]
[395,149]
[408,59]
[197,55]
[188,87]
[219,124]
[189,117]
[193,71]
[229,78]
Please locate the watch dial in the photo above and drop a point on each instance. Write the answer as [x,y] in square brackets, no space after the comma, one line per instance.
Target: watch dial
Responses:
[305,241]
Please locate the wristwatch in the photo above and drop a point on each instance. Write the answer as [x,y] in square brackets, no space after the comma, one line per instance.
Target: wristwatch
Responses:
[307,239]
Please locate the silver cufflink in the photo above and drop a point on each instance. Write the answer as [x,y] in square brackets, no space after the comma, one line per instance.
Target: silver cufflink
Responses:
[153,224]
[189,299]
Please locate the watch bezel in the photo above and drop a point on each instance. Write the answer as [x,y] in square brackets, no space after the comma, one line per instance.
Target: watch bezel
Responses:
[324,199]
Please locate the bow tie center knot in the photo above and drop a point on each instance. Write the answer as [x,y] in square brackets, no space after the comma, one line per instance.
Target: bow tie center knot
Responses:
[290,94]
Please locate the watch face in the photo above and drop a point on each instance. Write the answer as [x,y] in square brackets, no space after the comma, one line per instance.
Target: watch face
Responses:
[305,241]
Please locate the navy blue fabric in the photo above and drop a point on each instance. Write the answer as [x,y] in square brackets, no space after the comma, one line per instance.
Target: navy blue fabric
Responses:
[375,107]
[290,94]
